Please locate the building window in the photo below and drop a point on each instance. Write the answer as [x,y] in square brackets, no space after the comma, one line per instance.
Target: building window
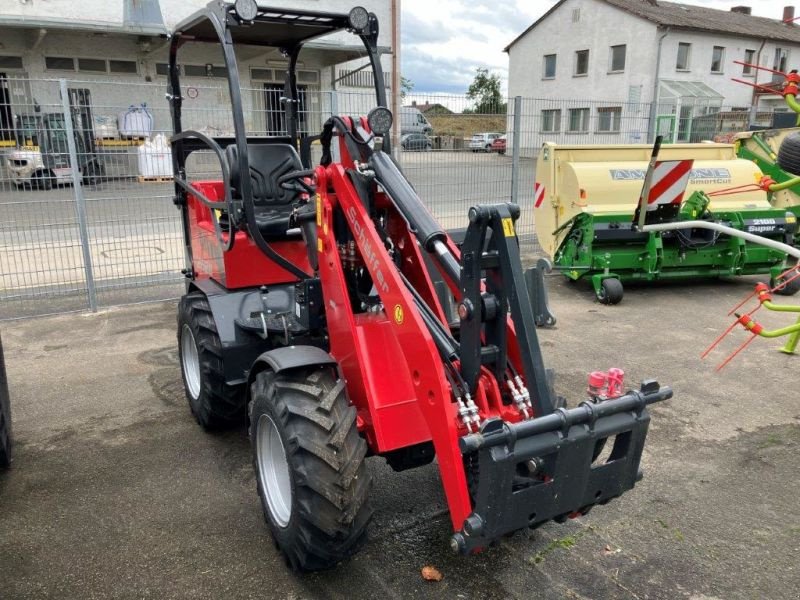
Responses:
[609,119]
[617,59]
[551,121]
[204,71]
[162,69]
[10,62]
[549,66]
[781,58]
[578,120]
[717,59]
[123,66]
[576,15]
[59,63]
[684,53]
[581,62]
[92,65]
[750,59]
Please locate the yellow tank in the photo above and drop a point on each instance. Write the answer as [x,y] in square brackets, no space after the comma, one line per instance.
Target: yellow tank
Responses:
[608,179]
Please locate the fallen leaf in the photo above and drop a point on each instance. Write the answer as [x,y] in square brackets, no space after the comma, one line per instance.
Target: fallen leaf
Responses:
[431,574]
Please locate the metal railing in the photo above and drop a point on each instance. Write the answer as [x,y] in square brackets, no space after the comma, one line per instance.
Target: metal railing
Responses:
[85,172]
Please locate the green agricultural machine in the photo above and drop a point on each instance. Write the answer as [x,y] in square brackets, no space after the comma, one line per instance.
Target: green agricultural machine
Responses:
[586,215]
[777,151]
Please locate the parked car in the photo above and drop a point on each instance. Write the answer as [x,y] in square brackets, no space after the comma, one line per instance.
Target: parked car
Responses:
[416,141]
[483,141]
[499,145]
[413,121]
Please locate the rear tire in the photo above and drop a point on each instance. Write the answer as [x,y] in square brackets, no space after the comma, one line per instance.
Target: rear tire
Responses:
[5,415]
[309,462]
[611,291]
[214,403]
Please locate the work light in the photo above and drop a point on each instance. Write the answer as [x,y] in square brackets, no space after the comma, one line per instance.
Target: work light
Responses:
[358,18]
[246,10]
[380,120]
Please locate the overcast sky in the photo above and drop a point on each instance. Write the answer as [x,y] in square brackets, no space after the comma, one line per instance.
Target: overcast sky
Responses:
[444,41]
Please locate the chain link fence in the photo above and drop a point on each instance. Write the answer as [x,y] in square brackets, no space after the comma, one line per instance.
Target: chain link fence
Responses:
[85,171]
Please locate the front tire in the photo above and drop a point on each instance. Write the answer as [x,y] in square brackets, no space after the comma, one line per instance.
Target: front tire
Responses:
[214,403]
[309,463]
[611,291]
[787,286]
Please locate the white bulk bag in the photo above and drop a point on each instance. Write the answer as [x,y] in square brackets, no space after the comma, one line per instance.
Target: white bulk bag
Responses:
[137,121]
[155,157]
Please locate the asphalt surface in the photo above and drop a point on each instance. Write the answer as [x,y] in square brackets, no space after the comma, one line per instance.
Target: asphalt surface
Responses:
[115,492]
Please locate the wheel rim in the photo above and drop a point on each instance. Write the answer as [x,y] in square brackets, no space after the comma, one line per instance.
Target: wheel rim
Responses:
[190,362]
[273,468]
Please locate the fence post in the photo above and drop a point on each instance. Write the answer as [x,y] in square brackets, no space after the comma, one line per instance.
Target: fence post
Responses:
[80,201]
[515,157]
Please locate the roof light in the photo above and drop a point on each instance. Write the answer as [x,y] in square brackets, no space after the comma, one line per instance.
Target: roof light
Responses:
[358,18]
[380,121]
[246,10]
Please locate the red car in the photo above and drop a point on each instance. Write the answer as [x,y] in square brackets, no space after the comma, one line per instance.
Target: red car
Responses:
[499,145]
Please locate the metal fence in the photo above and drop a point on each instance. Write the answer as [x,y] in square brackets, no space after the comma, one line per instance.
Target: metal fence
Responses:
[85,176]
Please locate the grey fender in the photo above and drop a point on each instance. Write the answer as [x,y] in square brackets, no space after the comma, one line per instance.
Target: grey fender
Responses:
[289,357]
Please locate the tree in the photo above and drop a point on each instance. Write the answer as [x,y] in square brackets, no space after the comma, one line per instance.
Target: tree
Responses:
[485,92]
[406,87]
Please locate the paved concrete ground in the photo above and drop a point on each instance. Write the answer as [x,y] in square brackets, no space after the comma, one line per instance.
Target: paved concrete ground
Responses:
[115,492]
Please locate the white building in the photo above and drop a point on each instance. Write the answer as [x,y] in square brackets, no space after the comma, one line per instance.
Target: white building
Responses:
[93,42]
[629,67]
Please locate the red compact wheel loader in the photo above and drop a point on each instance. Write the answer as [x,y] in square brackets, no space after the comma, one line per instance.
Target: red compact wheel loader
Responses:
[319,302]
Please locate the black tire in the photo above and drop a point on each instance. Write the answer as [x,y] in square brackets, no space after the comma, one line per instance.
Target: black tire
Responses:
[789,289]
[215,404]
[42,180]
[789,154]
[93,173]
[611,291]
[328,510]
[5,415]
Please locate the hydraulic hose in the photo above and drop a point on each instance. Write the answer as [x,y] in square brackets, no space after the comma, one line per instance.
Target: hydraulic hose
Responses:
[750,237]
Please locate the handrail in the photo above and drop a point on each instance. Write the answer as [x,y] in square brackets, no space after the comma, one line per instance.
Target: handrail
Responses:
[213,205]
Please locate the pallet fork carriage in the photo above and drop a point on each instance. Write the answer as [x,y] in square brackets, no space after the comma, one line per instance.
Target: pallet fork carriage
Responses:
[317,302]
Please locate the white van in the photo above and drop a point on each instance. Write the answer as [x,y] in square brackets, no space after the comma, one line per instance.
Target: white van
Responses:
[413,121]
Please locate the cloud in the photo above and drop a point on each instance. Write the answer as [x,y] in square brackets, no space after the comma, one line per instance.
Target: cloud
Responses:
[445,41]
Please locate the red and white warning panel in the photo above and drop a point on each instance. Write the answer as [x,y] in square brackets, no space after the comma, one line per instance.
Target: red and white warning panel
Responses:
[538,194]
[670,178]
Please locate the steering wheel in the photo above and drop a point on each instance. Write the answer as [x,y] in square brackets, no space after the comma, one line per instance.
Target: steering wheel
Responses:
[295,181]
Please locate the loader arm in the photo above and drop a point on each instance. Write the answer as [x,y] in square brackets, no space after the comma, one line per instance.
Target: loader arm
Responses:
[526,462]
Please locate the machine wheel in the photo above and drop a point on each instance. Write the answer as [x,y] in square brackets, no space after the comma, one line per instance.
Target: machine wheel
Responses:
[789,289]
[309,462]
[214,403]
[93,173]
[789,154]
[5,415]
[610,291]
[42,181]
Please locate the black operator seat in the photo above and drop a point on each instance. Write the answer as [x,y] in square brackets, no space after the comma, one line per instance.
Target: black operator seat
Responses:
[273,204]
